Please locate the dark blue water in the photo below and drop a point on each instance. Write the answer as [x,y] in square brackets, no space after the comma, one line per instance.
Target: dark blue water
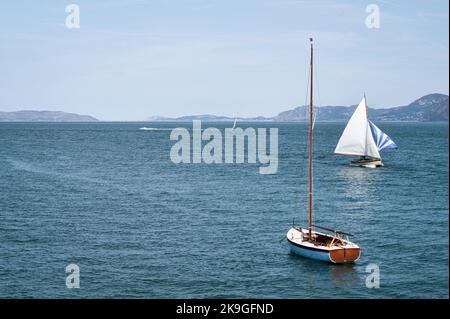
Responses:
[107,197]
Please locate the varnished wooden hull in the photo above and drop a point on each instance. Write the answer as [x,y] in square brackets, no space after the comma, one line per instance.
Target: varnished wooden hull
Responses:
[345,255]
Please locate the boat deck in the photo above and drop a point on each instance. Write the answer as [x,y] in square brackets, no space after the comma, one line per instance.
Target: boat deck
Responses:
[319,240]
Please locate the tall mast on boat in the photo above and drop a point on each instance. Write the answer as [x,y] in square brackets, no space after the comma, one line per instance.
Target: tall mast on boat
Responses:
[311,109]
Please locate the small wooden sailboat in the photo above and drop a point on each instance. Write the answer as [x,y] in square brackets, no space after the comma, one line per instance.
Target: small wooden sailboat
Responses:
[309,243]
[364,139]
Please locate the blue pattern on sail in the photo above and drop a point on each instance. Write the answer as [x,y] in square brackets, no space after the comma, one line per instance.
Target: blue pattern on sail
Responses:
[382,140]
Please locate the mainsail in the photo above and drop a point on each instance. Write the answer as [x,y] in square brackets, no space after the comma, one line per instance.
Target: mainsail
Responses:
[383,141]
[357,138]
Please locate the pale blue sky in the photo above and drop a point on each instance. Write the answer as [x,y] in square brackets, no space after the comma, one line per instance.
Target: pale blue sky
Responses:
[135,58]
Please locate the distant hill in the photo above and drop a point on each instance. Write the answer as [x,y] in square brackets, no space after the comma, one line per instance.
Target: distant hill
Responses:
[44,116]
[428,108]
[431,107]
[324,113]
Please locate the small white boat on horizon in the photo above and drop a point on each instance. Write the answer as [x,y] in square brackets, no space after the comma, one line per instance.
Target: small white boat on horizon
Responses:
[157,128]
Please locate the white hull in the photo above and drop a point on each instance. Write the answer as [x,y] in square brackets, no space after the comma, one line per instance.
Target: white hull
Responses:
[367,163]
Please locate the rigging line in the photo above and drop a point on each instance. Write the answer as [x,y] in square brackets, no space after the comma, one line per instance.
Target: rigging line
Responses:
[305,111]
[316,113]
[305,116]
[319,100]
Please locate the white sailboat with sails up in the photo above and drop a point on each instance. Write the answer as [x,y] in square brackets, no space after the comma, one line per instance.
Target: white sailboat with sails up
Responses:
[364,139]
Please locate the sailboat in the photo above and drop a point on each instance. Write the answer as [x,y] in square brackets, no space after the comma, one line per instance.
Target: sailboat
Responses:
[333,246]
[234,124]
[361,137]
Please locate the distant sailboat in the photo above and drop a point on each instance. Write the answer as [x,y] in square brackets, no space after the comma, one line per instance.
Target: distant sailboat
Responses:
[234,124]
[308,242]
[363,138]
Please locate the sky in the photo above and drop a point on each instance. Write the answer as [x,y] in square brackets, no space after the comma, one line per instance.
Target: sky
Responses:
[132,59]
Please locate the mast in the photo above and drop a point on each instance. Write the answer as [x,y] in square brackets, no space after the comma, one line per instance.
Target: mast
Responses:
[311,109]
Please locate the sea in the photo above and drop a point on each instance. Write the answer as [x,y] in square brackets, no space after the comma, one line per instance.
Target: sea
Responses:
[107,198]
